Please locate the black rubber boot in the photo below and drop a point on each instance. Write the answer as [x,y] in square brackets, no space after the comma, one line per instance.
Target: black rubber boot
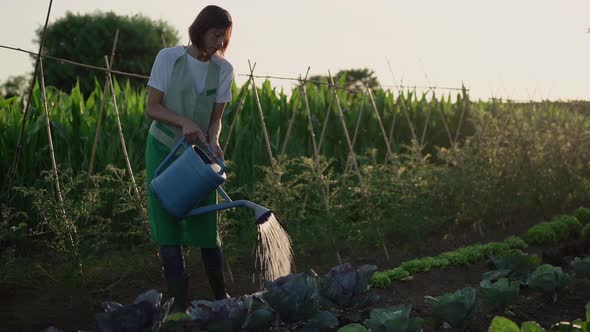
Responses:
[217,284]
[178,289]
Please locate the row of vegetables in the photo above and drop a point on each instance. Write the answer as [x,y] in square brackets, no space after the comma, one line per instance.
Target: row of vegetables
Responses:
[549,233]
[342,299]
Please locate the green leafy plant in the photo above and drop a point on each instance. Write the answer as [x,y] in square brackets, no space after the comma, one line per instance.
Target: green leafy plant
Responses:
[541,234]
[516,265]
[455,309]
[586,231]
[398,273]
[549,280]
[502,324]
[394,319]
[583,215]
[380,280]
[417,265]
[500,294]
[581,267]
[352,327]
[516,242]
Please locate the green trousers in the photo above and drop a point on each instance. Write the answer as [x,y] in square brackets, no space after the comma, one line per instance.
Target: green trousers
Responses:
[199,231]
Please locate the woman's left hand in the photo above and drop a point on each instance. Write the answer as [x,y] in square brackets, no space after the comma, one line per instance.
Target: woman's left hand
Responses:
[217,150]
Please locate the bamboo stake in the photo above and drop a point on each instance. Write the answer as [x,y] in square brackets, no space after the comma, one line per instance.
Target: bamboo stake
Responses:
[100,112]
[389,153]
[355,164]
[325,124]
[406,113]
[265,132]
[240,106]
[466,108]
[70,227]
[292,120]
[425,126]
[392,127]
[27,106]
[121,136]
[354,136]
[444,121]
[316,149]
[348,141]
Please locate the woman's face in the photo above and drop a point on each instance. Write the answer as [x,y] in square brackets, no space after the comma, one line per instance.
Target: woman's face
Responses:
[213,40]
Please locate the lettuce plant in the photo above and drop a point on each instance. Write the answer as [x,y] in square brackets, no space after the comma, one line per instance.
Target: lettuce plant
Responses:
[380,279]
[515,265]
[398,273]
[515,242]
[541,234]
[502,324]
[394,319]
[415,265]
[581,267]
[347,288]
[549,280]
[455,309]
[352,327]
[500,294]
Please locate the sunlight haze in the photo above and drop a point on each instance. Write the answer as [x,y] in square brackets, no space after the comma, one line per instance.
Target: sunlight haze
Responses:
[528,49]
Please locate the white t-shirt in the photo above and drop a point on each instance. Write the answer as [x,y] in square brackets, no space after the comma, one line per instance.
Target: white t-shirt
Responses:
[165,60]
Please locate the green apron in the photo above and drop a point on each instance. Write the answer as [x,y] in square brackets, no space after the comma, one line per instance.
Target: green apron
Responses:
[181,98]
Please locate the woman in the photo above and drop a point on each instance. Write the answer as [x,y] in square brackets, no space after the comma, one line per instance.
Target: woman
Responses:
[188,90]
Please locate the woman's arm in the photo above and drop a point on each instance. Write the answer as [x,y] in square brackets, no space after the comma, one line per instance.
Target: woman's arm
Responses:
[156,111]
[215,128]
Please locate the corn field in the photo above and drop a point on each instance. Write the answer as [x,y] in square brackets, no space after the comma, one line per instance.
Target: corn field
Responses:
[406,116]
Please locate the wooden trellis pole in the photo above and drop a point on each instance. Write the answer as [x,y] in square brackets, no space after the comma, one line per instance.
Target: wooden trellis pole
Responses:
[346,135]
[325,124]
[316,150]
[292,120]
[122,137]
[70,227]
[467,107]
[27,106]
[354,135]
[233,123]
[387,145]
[265,132]
[101,110]
[354,161]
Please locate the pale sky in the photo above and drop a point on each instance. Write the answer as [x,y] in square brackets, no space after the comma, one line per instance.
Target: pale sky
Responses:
[520,49]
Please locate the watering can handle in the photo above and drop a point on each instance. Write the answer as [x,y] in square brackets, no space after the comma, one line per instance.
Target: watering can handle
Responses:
[217,159]
[171,155]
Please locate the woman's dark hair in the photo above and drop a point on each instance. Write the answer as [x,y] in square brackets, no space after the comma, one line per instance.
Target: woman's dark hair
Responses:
[210,17]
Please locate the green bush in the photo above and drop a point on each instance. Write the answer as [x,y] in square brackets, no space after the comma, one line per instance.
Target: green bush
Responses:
[583,215]
[586,231]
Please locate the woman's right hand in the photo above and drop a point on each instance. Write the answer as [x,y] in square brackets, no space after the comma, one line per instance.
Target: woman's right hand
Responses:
[192,133]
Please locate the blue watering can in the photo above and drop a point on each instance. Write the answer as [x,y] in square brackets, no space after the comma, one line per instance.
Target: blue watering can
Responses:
[190,178]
